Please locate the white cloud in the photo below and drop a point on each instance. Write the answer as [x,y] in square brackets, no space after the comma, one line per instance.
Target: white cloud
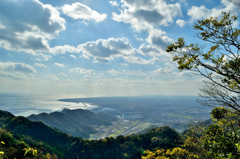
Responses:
[62,75]
[64,49]
[113,72]
[181,23]
[13,76]
[113,3]
[80,11]
[24,31]
[53,77]
[139,39]
[17,67]
[87,78]
[138,60]
[149,50]
[104,49]
[159,39]
[144,15]
[186,73]
[136,72]
[202,12]
[42,57]
[161,71]
[124,64]
[85,56]
[73,56]
[82,71]
[58,64]
[40,65]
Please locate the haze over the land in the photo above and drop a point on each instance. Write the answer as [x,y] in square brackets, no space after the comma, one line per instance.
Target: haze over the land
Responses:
[98,48]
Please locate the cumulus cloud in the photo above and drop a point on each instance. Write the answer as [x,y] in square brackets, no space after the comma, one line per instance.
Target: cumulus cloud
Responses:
[104,49]
[40,65]
[58,64]
[159,39]
[80,11]
[144,15]
[64,49]
[21,30]
[17,67]
[202,12]
[181,23]
[113,3]
[149,50]
[82,71]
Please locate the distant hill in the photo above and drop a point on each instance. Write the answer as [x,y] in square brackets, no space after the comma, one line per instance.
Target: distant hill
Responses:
[68,147]
[75,122]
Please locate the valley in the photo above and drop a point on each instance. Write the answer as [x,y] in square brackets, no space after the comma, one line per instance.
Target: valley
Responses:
[136,114]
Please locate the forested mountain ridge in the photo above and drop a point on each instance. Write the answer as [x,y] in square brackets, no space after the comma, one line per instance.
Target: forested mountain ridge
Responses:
[74,122]
[65,146]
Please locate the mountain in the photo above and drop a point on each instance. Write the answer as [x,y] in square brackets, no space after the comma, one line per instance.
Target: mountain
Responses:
[76,122]
[65,146]
[89,118]
[21,126]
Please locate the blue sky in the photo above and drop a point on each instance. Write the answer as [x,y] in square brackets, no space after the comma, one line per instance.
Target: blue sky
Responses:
[99,48]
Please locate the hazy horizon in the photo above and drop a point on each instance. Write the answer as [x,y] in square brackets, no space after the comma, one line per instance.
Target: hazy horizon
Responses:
[25,105]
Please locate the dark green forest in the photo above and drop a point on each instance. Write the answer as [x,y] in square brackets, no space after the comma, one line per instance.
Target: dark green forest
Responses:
[47,140]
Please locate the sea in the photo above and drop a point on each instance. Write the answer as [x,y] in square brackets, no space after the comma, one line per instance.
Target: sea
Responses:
[27,104]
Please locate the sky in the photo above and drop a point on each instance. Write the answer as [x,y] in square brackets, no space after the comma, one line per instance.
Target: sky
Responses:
[99,48]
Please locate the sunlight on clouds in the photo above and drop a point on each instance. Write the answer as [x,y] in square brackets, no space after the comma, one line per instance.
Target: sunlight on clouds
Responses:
[121,55]
[113,3]
[80,11]
[24,31]
[144,15]
[201,12]
[181,23]
[18,67]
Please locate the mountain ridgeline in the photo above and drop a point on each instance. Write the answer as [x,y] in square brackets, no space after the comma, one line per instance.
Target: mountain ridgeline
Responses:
[77,122]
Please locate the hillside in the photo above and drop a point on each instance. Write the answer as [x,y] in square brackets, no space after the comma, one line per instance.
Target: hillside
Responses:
[65,146]
[74,122]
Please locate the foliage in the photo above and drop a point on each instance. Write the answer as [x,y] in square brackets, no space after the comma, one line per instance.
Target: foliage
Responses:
[220,65]
[176,152]
[10,147]
[218,140]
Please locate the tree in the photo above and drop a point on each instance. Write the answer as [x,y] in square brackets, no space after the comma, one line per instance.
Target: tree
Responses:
[235,2]
[220,64]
